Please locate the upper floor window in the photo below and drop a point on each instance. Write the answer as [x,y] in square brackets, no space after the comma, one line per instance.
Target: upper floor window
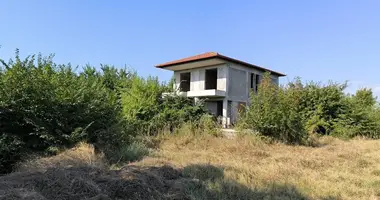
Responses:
[258,81]
[184,84]
[255,81]
[211,79]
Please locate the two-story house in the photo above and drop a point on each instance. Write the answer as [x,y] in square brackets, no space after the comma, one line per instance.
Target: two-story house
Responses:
[224,83]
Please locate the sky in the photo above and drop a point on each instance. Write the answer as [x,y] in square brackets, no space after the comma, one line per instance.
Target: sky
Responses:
[322,40]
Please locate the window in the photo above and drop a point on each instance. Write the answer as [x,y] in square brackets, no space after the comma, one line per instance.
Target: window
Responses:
[255,81]
[185,82]
[211,77]
[258,81]
[274,81]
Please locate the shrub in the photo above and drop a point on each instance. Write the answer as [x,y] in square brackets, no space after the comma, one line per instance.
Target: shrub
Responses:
[274,112]
[129,153]
[45,106]
[289,112]
[208,125]
[149,112]
[361,117]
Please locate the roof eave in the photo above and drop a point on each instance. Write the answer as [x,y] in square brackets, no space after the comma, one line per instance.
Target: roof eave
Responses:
[162,66]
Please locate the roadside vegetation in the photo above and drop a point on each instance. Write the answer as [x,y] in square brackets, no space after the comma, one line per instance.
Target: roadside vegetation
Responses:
[107,133]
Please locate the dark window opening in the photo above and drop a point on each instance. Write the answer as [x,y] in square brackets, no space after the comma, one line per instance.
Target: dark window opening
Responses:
[185,82]
[219,108]
[211,79]
[253,82]
[258,81]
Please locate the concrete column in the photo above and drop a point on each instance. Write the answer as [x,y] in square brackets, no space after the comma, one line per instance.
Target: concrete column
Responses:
[225,122]
[196,100]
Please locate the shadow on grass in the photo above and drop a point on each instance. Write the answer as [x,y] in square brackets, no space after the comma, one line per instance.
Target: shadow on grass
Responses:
[135,182]
[207,182]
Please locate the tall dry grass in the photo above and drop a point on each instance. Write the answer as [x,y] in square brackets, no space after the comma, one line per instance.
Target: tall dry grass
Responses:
[82,155]
[253,169]
[201,166]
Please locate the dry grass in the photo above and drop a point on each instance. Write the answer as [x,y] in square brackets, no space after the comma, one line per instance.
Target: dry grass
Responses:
[81,155]
[253,169]
[206,167]
[79,173]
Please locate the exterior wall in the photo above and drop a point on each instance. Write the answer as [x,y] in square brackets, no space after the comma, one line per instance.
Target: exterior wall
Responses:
[234,111]
[237,87]
[197,80]
[222,78]
[238,84]
[233,79]
[212,107]
[239,91]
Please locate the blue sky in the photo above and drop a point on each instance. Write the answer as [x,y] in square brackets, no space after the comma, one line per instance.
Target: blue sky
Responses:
[317,40]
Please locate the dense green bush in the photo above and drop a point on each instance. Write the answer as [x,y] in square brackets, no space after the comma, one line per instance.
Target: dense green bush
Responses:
[149,112]
[361,116]
[292,112]
[274,112]
[320,105]
[47,106]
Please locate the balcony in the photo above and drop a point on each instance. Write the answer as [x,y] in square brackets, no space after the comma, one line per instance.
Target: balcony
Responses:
[199,93]
[206,93]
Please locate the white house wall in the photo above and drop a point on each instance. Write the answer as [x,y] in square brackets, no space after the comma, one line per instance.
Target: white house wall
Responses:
[197,78]
[232,78]
[222,78]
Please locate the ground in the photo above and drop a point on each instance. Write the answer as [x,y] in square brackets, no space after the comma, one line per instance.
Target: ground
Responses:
[336,169]
[207,167]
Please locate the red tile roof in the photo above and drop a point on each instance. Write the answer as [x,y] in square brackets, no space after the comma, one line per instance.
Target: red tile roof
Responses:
[209,55]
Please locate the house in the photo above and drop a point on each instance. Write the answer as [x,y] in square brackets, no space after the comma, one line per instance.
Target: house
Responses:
[224,83]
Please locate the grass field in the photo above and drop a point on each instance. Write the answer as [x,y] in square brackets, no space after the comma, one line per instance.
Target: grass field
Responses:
[206,167]
[248,168]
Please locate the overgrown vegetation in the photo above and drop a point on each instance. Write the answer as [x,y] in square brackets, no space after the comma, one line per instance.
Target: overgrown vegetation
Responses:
[292,112]
[248,167]
[45,107]
[110,117]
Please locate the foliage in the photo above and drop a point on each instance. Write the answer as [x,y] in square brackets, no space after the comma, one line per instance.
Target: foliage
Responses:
[320,105]
[274,112]
[362,117]
[45,107]
[129,153]
[298,110]
[144,106]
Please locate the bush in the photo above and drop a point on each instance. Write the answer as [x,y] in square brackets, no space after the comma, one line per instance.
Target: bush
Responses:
[274,112]
[129,153]
[149,112]
[208,125]
[361,117]
[291,113]
[320,105]
[45,106]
